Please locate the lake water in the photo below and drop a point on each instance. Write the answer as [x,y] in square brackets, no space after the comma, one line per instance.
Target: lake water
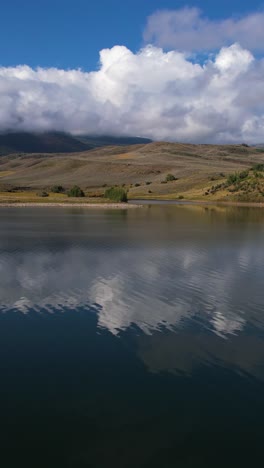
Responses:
[132,338]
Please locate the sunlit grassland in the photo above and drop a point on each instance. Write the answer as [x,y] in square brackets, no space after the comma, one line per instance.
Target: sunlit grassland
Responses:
[141,170]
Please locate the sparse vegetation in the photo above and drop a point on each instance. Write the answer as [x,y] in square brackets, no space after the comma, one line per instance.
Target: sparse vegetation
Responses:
[236,177]
[22,176]
[258,167]
[244,186]
[116,194]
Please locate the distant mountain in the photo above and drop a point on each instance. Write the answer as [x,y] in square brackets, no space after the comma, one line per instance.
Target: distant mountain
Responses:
[50,142]
[97,141]
[58,142]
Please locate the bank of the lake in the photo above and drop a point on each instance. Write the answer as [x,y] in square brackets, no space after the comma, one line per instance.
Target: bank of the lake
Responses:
[157,201]
[119,206]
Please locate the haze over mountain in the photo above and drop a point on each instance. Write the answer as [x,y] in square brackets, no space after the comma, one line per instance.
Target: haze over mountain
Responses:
[58,142]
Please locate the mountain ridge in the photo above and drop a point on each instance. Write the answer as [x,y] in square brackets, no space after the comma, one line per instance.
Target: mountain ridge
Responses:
[59,142]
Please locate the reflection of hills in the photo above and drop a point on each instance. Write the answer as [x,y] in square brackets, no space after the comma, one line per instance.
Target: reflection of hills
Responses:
[188,350]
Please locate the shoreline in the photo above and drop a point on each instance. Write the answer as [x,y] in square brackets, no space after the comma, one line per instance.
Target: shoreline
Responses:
[120,206]
[140,203]
[199,202]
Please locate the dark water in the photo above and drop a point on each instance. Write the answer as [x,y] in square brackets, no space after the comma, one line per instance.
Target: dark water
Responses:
[132,338]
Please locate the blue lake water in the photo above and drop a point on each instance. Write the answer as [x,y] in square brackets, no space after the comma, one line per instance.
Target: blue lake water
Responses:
[132,338]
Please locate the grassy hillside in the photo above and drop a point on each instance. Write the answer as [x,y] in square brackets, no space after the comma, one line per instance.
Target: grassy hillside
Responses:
[142,169]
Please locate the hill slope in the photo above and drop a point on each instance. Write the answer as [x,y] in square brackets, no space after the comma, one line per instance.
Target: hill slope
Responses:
[197,169]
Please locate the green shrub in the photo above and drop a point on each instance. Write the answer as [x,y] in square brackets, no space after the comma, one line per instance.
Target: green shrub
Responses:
[76,192]
[116,194]
[137,185]
[236,177]
[57,189]
[258,167]
[148,183]
[180,197]
[170,177]
[232,179]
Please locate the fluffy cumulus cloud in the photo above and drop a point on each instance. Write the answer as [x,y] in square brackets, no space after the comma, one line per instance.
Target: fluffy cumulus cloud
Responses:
[152,93]
[188,29]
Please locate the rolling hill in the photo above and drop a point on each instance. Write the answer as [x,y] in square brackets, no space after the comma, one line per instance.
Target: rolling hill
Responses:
[200,171]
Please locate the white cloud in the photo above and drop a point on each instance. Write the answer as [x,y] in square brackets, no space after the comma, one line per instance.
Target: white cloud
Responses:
[157,94]
[187,29]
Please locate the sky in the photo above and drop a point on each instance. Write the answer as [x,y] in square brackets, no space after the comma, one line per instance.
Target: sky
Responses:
[162,69]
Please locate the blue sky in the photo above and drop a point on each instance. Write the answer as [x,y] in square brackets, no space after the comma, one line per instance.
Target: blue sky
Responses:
[70,34]
[200,79]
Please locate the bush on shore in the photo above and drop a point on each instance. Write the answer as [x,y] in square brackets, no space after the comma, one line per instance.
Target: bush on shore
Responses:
[76,191]
[116,194]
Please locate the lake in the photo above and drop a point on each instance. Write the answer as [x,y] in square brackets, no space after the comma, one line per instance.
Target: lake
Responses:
[132,338]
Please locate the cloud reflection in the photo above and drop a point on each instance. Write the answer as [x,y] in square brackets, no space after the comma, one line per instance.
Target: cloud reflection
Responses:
[150,288]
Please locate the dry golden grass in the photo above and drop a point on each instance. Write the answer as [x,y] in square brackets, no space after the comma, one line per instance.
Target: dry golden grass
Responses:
[193,165]
[34,197]
[6,173]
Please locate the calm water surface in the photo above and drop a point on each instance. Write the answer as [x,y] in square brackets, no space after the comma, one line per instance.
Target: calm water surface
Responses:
[132,338]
